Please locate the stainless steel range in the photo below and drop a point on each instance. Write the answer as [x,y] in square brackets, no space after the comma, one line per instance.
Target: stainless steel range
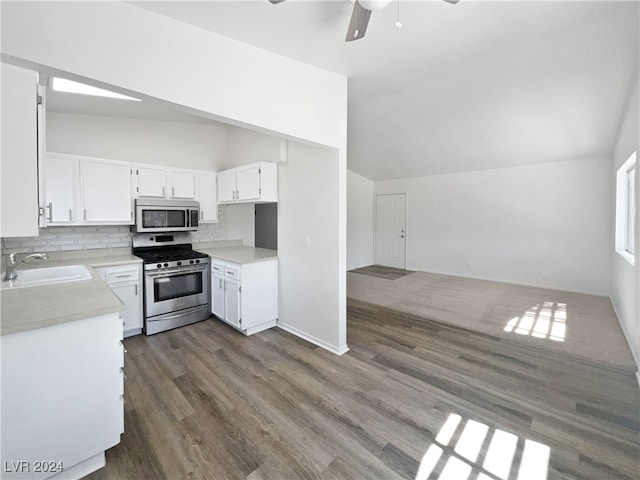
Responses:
[176,281]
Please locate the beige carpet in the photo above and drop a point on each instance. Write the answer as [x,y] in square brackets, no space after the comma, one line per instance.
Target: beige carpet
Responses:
[576,324]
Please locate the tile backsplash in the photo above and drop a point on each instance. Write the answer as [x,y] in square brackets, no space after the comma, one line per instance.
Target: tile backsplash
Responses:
[58,239]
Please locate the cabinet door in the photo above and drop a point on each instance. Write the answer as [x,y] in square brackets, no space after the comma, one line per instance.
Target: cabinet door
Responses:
[61,393]
[181,184]
[106,192]
[61,184]
[217,296]
[232,312]
[151,182]
[19,152]
[129,294]
[227,187]
[248,184]
[207,196]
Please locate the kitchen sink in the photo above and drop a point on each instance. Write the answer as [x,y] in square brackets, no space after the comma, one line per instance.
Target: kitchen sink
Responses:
[32,277]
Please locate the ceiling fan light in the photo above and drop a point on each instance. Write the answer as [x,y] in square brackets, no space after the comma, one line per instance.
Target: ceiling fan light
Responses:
[374,4]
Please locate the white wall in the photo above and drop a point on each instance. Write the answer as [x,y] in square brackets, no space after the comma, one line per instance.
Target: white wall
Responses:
[157,56]
[172,144]
[248,146]
[513,224]
[240,222]
[309,283]
[152,56]
[359,221]
[625,288]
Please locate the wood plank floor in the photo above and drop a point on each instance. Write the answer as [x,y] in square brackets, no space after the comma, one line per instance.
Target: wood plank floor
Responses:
[204,401]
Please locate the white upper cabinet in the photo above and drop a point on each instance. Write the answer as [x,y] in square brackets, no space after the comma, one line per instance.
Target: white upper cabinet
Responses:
[182,184]
[227,187]
[248,184]
[207,196]
[105,189]
[86,191]
[151,181]
[19,157]
[61,188]
[161,182]
[254,183]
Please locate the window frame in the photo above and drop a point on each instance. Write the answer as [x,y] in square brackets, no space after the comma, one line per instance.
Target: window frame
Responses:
[626,192]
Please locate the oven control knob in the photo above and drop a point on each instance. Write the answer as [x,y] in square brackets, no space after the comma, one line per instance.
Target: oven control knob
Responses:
[179,263]
[191,262]
[166,264]
[159,265]
[197,261]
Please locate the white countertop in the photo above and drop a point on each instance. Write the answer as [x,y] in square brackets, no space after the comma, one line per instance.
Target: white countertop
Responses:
[240,254]
[29,308]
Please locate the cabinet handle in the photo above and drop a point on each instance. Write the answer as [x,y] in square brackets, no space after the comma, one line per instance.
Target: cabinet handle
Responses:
[173,191]
[84,214]
[136,285]
[237,194]
[124,375]
[124,349]
[201,214]
[123,276]
[70,215]
[163,194]
[220,283]
[50,207]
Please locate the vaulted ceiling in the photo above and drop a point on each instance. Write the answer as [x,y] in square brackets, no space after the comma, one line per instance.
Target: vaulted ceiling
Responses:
[470,86]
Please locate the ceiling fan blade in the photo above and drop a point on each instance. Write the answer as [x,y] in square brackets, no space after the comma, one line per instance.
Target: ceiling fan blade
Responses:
[358,23]
[448,1]
[275,2]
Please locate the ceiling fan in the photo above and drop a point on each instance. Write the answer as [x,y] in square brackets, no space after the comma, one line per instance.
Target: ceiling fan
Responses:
[360,16]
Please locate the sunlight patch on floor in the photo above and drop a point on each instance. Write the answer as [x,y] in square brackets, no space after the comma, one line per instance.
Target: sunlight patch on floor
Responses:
[471,449]
[544,320]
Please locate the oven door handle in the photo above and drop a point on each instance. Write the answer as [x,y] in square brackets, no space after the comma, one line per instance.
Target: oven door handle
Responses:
[182,314]
[176,272]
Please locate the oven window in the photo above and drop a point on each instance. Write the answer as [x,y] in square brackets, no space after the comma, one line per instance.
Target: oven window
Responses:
[176,286]
[164,218]
[176,218]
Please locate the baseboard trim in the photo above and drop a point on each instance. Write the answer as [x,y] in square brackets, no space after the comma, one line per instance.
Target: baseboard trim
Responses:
[511,282]
[311,339]
[628,339]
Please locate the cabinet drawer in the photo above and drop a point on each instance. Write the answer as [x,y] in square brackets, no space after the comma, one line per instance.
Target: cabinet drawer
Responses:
[123,276]
[119,273]
[216,268]
[232,272]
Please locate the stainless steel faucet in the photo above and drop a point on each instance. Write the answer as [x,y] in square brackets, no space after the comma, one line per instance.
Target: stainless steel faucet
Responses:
[13,264]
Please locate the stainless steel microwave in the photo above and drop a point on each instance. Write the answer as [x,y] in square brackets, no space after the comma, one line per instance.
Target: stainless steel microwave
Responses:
[159,215]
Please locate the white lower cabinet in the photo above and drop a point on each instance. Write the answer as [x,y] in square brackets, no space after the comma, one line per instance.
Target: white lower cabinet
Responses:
[245,295]
[126,282]
[62,398]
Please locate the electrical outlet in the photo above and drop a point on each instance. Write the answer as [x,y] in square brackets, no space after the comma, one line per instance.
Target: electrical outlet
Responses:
[307,241]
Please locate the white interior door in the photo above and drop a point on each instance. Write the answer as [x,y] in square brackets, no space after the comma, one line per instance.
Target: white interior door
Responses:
[391,214]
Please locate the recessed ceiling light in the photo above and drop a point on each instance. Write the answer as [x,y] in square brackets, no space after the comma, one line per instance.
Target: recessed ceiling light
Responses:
[69,86]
